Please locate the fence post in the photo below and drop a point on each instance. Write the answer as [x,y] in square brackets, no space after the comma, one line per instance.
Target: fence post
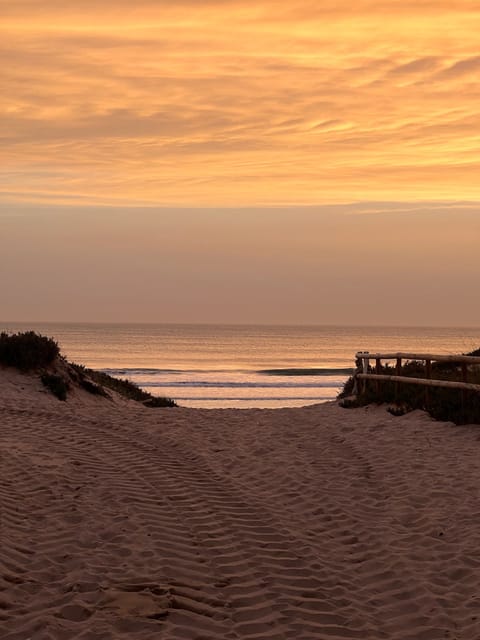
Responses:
[378,369]
[365,363]
[378,373]
[398,371]
[464,395]
[358,369]
[428,373]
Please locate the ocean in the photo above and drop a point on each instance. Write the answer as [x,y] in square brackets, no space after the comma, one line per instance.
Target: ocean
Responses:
[220,366]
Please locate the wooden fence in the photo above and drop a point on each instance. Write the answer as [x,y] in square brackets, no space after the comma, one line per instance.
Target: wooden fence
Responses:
[363,374]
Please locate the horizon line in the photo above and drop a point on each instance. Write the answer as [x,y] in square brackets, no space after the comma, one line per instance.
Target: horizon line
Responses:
[239,324]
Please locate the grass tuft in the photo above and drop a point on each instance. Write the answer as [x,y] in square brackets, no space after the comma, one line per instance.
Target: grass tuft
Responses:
[56,384]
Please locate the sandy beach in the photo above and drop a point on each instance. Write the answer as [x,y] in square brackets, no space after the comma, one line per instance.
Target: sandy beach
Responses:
[119,521]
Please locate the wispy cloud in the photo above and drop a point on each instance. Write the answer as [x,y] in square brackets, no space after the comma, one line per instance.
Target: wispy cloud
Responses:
[461,68]
[239,103]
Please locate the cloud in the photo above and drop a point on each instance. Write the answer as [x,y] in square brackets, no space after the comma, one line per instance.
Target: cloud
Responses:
[248,102]
[462,68]
[418,66]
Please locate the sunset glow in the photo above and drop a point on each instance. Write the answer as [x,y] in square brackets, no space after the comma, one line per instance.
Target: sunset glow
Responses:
[245,103]
[240,162]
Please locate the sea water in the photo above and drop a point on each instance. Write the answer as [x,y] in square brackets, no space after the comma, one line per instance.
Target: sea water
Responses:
[218,366]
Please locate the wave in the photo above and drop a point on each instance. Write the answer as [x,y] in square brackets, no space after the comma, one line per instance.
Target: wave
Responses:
[307,372]
[125,371]
[332,384]
[250,399]
[139,371]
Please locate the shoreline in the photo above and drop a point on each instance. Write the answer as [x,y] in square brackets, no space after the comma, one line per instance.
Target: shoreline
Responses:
[225,362]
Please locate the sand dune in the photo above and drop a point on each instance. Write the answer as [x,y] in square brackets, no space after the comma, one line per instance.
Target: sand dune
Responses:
[315,523]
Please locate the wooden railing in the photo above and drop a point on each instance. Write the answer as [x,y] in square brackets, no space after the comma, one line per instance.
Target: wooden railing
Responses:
[365,357]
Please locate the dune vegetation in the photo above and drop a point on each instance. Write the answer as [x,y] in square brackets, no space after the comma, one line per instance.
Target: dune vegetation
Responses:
[28,350]
[455,405]
[31,352]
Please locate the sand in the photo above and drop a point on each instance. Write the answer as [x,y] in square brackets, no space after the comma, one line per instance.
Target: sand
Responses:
[124,522]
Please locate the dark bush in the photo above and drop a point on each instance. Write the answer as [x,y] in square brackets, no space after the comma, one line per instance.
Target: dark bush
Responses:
[348,388]
[155,401]
[56,384]
[455,405]
[398,410]
[91,387]
[27,350]
[124,388]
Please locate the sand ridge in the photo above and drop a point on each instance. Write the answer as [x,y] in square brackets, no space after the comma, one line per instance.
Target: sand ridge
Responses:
[314,523]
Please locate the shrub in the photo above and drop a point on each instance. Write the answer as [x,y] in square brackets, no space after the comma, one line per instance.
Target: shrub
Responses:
[125,388]
[348,388]
[398,410]
[27,350]
[56,384]
[455,405]
[155,401]
[91,387]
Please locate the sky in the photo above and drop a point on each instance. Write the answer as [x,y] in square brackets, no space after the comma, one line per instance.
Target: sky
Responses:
[278,162]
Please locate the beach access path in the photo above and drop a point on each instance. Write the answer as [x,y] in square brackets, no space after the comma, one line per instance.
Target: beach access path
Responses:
[124,522]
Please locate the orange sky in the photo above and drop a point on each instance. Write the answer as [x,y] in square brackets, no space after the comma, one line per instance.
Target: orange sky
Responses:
[239,103]
[251,161]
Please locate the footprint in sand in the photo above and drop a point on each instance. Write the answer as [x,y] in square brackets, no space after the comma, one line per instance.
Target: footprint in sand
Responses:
[139,600]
